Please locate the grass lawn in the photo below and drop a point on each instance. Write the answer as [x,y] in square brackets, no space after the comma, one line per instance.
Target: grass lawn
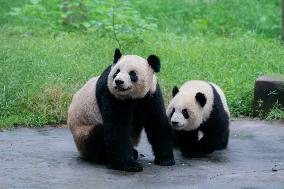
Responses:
[229,43]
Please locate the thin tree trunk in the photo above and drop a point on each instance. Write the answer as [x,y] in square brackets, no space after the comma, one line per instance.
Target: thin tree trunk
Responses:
[282,20]
[73,18]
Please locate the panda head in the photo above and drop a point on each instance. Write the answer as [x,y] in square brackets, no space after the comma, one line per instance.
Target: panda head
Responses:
[189,107]
[132,77]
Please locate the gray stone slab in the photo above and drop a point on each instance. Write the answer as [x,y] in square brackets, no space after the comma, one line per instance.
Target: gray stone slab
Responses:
[268,91]
[47,158]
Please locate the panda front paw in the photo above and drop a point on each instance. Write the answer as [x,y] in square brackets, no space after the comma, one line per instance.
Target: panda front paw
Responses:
[164,161]
[132,166]
[135,154]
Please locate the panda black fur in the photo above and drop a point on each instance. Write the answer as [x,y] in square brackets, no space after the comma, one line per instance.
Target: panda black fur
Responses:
[108,113]
[199,106]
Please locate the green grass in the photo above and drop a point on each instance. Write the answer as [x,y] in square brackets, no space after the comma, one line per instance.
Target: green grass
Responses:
[41,69]
[224,17]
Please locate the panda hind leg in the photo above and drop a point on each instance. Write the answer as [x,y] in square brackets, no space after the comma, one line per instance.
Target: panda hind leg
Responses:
[92,147]
[224,140]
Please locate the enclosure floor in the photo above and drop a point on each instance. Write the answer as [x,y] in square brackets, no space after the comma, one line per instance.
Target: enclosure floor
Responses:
[47,158]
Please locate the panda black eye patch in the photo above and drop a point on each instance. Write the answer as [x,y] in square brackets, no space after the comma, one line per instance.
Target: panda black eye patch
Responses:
[133,76]
[173,111]
[114,75]
[185,113]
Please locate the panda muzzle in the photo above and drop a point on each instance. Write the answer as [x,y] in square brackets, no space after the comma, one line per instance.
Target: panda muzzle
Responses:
[120,88]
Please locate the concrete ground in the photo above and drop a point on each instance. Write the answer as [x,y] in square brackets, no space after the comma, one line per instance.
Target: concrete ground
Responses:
[47,158]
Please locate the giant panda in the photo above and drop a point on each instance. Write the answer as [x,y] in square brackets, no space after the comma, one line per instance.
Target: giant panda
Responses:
[108,113]
[199,106]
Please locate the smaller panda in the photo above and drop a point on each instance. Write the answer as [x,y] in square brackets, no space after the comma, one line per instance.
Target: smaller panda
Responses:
[199,106]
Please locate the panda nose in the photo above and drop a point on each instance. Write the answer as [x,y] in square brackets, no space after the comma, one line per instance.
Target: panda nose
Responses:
[174,123]
[118,82]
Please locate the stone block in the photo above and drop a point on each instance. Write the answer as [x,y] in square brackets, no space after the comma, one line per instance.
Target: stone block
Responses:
[268,90]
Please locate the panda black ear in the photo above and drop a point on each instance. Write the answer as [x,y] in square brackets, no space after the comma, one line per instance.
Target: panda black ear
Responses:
[154,62]
[117,55]
[175,91]
[201,99]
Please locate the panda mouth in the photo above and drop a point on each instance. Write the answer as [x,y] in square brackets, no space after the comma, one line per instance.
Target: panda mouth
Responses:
[119,88]
[177,127]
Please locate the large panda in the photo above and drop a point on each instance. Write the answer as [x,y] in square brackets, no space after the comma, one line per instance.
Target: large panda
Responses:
[108,113]
[199,106]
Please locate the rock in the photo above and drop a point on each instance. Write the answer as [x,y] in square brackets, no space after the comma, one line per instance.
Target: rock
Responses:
[268,90]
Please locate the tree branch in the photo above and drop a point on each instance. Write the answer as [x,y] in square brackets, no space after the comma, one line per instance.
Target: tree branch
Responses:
[113,25]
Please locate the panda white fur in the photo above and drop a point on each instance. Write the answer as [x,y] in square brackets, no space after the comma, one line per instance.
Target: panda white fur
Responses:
[108,113]
[199,106]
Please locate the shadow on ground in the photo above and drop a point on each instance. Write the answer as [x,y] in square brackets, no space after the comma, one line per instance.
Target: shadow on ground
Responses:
[47,158]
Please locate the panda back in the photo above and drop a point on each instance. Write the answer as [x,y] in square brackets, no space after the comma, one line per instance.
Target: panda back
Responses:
[84,107]
[222,97]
